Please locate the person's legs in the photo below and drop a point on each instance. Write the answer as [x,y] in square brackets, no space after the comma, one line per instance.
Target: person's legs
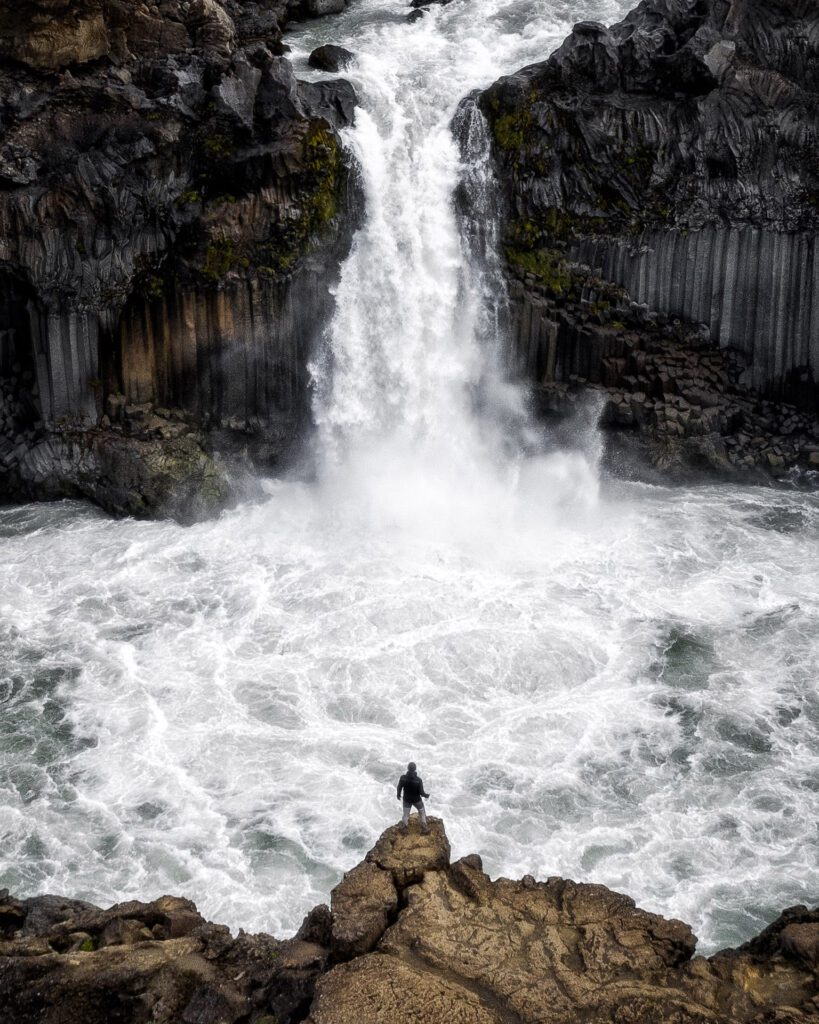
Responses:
[405,819]
[423,812]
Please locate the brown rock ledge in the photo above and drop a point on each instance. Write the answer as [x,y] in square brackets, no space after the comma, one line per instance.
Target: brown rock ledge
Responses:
[410,939]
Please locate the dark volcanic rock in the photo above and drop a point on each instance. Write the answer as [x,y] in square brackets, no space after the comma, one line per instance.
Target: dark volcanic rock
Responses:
[156,161]
[445,942]
[140,962]
[673,407]
[674,154]
[330,58]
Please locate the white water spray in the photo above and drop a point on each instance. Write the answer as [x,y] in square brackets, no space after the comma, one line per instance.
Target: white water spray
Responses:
[416,423]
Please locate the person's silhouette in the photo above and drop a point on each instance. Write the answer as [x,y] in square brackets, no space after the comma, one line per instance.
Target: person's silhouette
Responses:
[411,787]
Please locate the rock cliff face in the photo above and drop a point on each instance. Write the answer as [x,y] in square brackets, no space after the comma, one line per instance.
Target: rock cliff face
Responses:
[665,169]
[173,209]
[409,938]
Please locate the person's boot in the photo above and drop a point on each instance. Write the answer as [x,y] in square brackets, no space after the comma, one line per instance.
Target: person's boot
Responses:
[404,828]
[425,830]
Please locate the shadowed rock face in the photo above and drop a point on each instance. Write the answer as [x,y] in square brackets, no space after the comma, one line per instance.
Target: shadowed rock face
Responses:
[172,201]
[410,939]
[673,156]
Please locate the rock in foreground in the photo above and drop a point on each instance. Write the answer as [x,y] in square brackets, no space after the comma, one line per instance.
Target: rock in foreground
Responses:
[410,939]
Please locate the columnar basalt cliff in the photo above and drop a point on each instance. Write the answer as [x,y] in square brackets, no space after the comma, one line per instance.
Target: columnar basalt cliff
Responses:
[174,206]
[665,170]
[409,938]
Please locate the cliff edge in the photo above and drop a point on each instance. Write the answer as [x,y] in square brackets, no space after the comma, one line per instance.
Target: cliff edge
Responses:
[409,938]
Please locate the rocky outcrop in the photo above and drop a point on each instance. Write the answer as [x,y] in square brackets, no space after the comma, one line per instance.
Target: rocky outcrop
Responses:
[673,156]
[410,938]
[63,961]
[672,405]
[174,206]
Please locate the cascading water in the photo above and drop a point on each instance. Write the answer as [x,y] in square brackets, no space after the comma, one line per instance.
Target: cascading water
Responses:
[619,688]
[411,403]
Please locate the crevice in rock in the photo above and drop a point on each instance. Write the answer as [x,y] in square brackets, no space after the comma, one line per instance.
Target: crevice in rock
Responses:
[487,997]
[21,420]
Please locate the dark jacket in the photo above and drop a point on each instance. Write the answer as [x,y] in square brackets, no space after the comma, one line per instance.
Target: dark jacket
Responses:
[412,786]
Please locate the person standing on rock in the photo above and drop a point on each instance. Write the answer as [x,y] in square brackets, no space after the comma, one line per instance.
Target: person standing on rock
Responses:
[412,787]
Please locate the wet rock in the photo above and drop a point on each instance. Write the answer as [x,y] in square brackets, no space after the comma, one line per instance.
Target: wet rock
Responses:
[330,58]
[174,478]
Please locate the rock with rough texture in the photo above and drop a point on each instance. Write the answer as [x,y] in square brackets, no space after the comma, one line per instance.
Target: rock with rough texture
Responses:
[50,34]
[409,856]
[157,162]
[169,477]
[467,949]
[361,906]
[412,939]
[140,962]
[674,155]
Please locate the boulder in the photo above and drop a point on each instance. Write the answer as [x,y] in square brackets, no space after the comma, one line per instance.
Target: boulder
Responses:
[362,904]
[330,58]
[409,856]
[45,912]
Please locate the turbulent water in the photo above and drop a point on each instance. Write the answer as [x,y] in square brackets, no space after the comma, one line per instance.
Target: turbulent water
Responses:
[615,683]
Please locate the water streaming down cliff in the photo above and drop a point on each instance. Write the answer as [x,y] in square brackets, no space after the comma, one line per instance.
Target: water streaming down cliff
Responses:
[412,406]
[617,688]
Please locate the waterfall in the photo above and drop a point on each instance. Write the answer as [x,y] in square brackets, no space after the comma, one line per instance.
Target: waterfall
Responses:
[417,419]
[593,687]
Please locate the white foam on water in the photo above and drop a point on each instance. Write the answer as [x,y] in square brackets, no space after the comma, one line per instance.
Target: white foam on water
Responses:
[627,697]
[617,687]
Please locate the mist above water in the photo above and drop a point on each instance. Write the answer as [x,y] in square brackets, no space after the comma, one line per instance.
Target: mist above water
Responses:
[615,686]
